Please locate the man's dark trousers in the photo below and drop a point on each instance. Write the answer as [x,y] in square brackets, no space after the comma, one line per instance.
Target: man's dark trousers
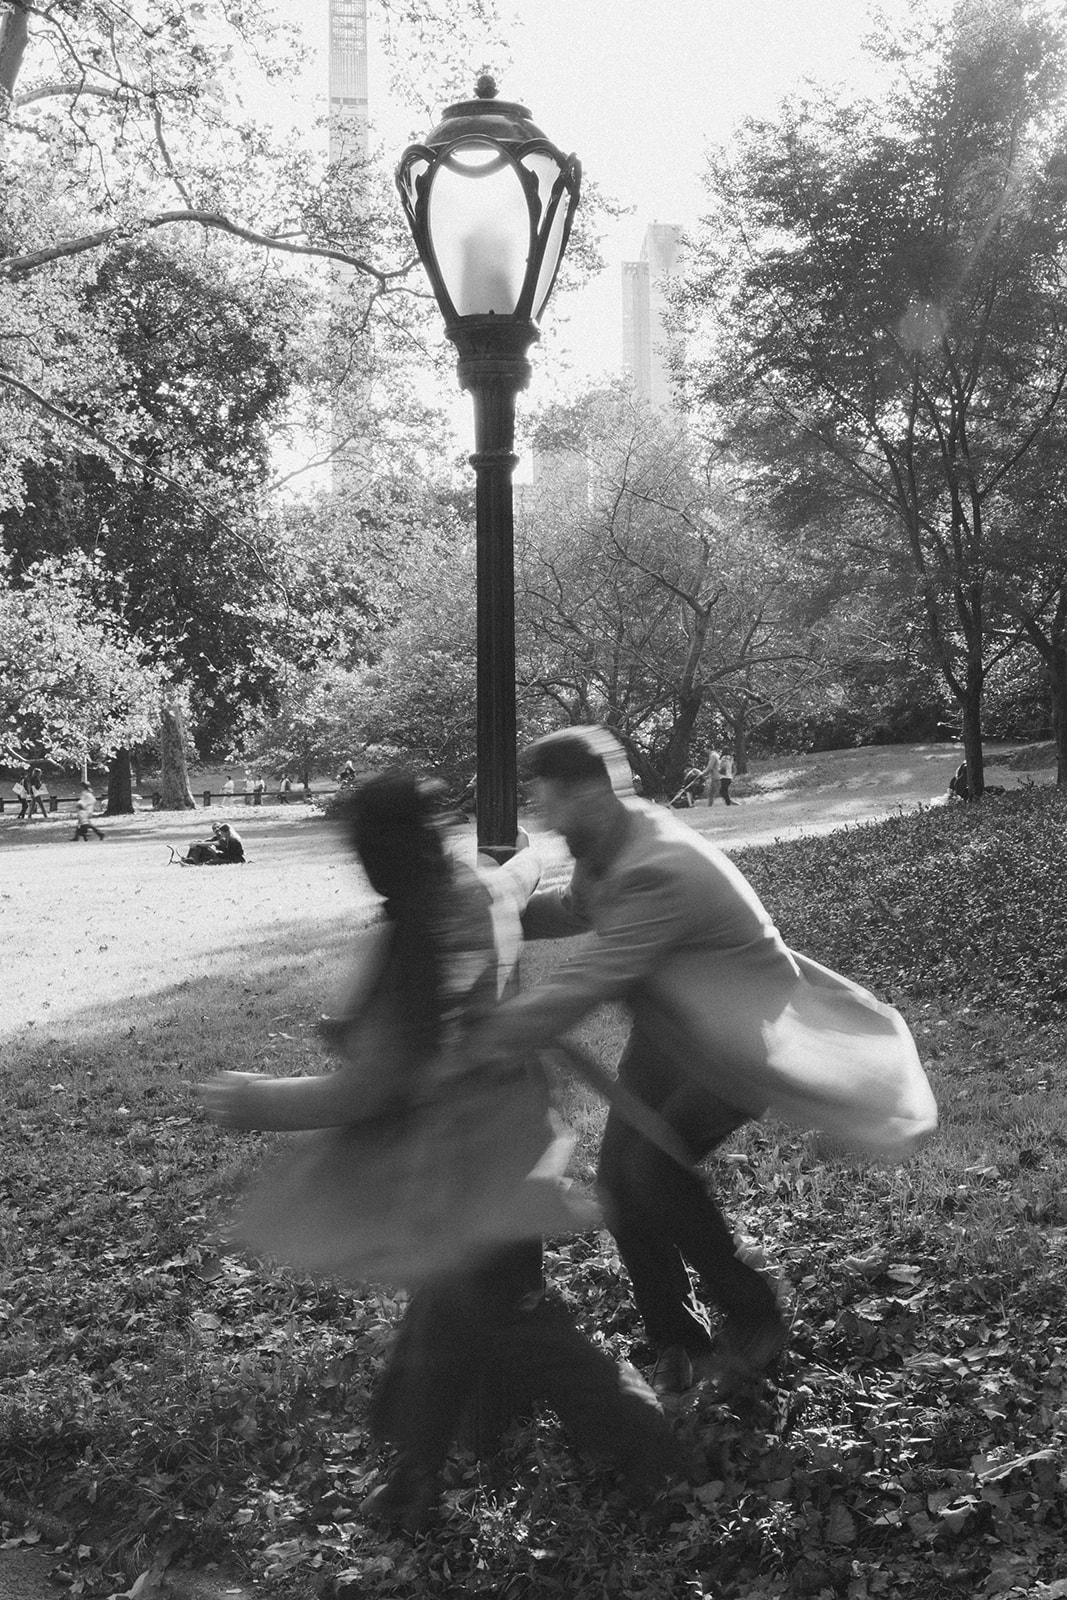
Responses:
[662,1214]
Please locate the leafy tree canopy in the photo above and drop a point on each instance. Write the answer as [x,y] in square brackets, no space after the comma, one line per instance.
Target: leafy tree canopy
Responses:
[879,290]
[72,684]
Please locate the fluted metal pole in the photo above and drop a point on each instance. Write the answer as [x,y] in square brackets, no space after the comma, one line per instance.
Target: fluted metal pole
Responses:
[493,367]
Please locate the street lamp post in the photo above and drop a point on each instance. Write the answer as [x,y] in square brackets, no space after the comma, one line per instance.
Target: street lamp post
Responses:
[490,202]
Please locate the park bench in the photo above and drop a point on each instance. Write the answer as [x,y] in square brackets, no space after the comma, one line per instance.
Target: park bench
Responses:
[270,797]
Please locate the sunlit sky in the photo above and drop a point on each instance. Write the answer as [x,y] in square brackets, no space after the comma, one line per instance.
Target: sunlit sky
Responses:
[638,89]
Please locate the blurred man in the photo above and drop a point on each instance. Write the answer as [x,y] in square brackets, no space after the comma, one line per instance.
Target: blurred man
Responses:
[653,892]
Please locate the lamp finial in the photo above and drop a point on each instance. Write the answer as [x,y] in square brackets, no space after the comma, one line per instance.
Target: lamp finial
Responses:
[485,88]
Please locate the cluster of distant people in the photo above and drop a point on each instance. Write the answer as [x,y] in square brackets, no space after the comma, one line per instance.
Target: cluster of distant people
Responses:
[35,799]
[32,793]
[713,780]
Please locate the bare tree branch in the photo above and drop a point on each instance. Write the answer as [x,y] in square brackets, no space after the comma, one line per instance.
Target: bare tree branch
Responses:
[20,266]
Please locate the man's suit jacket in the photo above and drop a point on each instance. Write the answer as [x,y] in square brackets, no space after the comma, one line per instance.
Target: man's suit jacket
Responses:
[681,937]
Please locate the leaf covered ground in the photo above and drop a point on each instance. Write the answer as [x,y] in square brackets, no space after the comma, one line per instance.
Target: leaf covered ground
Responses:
[158,1396]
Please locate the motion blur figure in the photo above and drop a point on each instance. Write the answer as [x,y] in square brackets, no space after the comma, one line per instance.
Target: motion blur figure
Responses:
[725,1022]
[451,941]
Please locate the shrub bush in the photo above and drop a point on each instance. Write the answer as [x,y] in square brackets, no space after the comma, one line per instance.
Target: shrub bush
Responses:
[960,901]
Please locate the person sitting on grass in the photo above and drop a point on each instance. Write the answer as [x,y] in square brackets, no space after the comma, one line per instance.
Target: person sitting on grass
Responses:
[959,788]
[224,847]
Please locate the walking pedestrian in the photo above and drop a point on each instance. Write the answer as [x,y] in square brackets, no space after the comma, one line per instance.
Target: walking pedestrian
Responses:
[725,1020]
[451,940]
[86,805]
[38,793]
[711,775]
[726,777]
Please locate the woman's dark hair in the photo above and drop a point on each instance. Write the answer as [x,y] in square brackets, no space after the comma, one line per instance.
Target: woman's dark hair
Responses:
[392,827]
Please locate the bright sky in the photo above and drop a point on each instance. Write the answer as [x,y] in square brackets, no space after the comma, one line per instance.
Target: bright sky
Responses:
[638,89]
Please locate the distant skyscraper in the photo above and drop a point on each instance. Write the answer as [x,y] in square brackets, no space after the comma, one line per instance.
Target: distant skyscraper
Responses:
[644,334]
[348,79]
[349,140]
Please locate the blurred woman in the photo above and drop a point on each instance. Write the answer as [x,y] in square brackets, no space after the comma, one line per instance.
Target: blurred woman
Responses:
[460,1209]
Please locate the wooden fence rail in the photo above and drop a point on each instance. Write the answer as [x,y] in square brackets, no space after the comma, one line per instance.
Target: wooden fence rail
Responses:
[299,796]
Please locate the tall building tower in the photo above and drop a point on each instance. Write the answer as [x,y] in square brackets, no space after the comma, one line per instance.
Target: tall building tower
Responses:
[348,79]
[644,334]
[349,141]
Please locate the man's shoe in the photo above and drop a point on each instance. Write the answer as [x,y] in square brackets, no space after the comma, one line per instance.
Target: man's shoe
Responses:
[747,1347]
[672,1376]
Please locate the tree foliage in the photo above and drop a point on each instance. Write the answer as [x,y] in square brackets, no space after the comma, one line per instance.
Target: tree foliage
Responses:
[649,592]
[880,290]
[72,683]
[197,366]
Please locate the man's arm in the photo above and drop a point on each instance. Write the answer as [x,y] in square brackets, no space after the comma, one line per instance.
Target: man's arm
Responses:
[552,914]
[647,919]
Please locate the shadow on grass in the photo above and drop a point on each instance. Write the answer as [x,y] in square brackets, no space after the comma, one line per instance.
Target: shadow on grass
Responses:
[253,1010]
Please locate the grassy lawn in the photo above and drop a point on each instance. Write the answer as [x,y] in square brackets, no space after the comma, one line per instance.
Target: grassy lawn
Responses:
[154,1393]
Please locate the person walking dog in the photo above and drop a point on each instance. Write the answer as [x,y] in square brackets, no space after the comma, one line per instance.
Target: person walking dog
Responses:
[711,775]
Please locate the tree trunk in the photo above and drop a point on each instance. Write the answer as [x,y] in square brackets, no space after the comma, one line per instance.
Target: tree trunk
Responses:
[678,759]
[14,33]
[175,793]
[119,785]
[739,729]
[1056,664]
[971,709]
[1051,647]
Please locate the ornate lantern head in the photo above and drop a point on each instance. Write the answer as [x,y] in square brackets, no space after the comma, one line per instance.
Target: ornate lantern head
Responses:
[490,204]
